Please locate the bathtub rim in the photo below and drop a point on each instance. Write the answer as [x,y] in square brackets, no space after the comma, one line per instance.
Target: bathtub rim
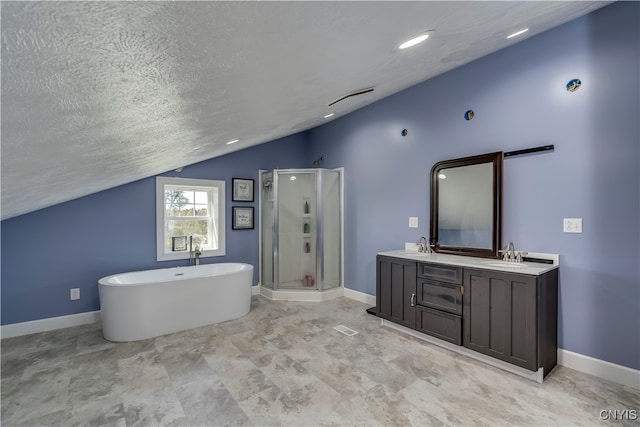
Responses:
[105,281]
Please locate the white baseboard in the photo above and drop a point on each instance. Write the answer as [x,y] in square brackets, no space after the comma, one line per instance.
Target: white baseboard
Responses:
[301,295]
[255,290]
[599,368]
[304,295]
[360,296]
[43,325]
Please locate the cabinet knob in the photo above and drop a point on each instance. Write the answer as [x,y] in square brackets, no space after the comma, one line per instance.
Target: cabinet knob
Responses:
[413,300]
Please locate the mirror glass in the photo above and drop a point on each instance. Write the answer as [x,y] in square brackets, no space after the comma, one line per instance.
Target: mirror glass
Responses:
[466,203]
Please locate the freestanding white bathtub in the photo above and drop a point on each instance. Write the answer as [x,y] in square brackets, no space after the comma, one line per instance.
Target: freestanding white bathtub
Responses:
[145,304]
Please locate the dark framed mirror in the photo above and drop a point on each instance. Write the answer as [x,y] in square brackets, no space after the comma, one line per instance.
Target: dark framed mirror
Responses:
[466,205]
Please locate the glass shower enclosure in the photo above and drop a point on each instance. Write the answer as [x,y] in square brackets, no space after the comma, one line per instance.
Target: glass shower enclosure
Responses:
[301,226]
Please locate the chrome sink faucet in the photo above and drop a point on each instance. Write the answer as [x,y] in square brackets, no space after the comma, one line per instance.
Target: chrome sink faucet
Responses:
[511,251]
[511,255]
[423,245]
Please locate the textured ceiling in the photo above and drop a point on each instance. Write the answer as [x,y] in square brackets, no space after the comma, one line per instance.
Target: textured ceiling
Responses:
[98,94]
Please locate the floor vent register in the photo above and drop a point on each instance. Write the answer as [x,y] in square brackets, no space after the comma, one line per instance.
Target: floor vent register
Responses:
[344,330]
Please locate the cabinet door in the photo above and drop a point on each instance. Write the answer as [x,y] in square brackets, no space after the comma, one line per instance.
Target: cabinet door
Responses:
[500,316]
[396,290]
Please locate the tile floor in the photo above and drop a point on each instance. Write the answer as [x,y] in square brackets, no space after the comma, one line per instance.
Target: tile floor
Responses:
[283,364]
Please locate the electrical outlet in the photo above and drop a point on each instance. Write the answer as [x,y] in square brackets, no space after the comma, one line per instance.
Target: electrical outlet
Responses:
[572,225]
[74,294]
[413,222]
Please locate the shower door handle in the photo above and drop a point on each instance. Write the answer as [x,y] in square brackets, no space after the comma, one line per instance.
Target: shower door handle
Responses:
[413,300]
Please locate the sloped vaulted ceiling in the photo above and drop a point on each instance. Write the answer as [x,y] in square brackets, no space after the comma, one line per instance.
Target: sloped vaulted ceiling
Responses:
[98,94]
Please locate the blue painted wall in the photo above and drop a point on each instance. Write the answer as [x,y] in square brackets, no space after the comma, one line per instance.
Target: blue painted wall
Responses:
[520,101]
[519,98]
[72,245]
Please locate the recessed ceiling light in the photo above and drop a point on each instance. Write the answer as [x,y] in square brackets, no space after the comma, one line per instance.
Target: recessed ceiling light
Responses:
[329,115]
[233,142]
[414,41]
[517,33]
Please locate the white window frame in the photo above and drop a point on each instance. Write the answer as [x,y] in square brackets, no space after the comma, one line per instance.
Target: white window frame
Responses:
[161,218]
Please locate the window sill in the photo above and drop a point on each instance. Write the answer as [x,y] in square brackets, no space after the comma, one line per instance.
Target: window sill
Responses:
[185,255]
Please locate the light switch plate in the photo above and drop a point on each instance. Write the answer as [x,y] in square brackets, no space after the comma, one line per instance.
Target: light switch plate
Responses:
[413,222]
[572,225]
[74,294]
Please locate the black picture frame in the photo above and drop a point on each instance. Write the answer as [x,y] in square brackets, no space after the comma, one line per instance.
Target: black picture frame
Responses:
[242,190]
[179,243]
[243,218]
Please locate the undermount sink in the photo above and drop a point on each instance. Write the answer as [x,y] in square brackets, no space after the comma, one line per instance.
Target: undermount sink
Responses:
[504,264]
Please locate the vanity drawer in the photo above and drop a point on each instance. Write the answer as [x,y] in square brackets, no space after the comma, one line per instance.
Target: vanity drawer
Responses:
[444,273]
[439,295]
[445,326]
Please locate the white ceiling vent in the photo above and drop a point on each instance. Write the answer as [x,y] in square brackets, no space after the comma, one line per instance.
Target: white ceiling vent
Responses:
[349,95]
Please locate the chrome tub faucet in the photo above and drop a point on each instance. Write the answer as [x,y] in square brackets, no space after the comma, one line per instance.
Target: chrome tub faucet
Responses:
[194,253]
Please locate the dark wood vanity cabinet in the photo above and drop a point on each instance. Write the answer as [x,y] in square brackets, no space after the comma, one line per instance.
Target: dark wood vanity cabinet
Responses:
[512,317]
[396,290]
[508,316]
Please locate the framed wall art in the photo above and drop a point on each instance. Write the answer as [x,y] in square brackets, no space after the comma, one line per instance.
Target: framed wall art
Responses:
[242,218]
[179,243]
[242,190]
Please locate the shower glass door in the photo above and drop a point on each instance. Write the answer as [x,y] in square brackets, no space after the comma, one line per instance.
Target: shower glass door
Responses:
[266,229]
[297,233]
[330,223]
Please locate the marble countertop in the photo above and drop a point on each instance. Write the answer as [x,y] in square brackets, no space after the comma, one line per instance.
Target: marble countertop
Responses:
[527,267]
